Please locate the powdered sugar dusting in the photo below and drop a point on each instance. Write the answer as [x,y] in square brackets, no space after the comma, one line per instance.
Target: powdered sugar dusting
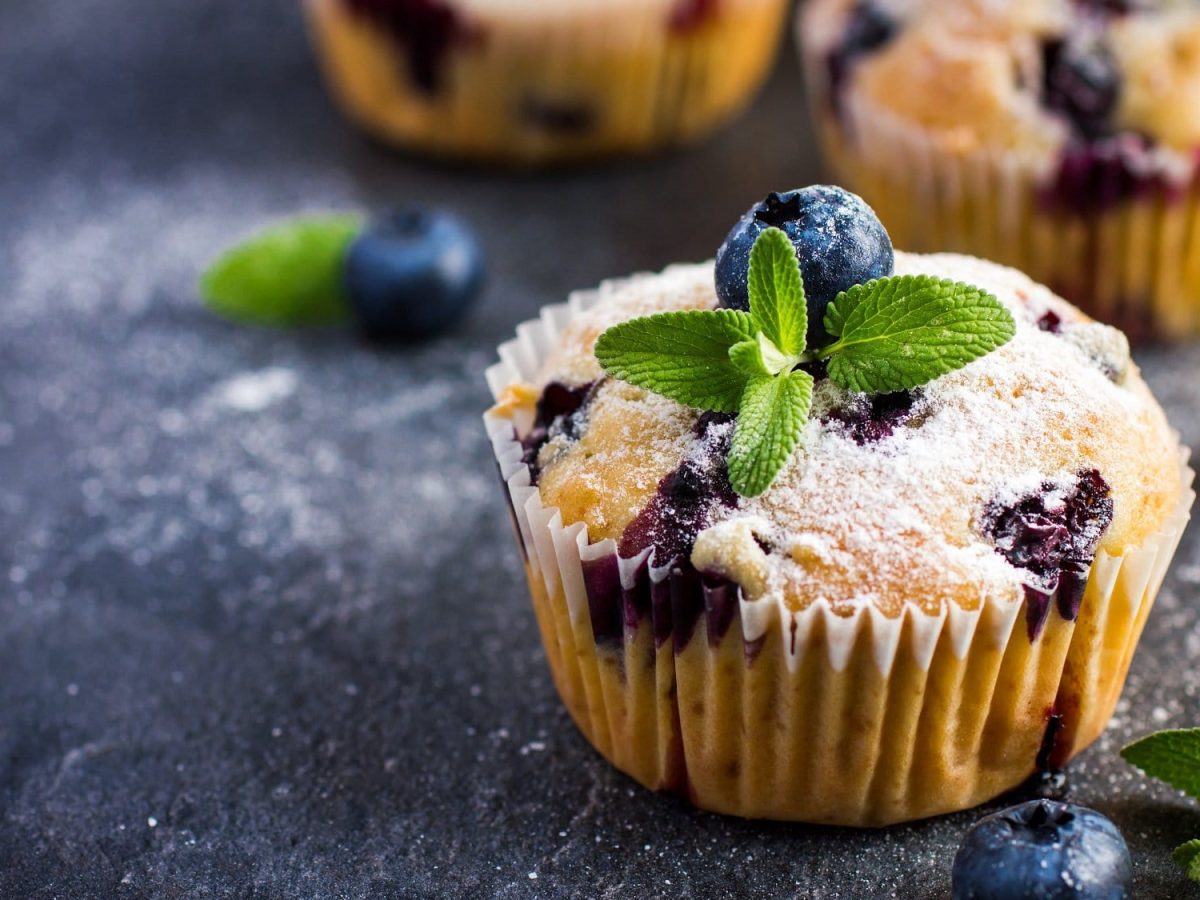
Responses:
[896,521]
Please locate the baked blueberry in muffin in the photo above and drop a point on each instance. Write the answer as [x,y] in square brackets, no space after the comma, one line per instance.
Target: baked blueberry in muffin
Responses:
[873,573]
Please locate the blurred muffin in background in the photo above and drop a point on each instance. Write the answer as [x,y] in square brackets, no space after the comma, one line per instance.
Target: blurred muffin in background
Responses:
[533,81]
[1058,136]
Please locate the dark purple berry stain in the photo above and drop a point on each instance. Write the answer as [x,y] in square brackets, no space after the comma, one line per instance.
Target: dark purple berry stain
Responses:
[1050,321]
[1052,534]
[1080,81]
[1045,760]
[689,15]
[870,419]
[680,508]
[561,410]
[558,117]
[672,605]
[1100,167]
[868,29]
[427,30]
[1114,7]
[1094,176]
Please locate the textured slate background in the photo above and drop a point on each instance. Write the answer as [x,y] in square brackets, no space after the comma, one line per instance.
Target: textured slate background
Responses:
[262,629]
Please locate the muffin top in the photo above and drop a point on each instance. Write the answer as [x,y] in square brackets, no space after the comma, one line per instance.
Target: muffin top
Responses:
[989,482]
[1022,75]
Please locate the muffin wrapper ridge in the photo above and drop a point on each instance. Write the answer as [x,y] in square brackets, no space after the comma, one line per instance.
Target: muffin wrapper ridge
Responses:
[750,709]
[1129,256]
[554,83]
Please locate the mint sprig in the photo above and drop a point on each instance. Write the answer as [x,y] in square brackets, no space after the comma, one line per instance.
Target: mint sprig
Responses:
[771,419]
[890,334]
[1173,756]
[289,274]
[895,334]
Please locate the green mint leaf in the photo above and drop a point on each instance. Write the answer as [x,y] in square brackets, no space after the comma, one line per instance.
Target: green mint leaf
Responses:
[770,424]
[747,356]
[760,357]
[1188,856]
[777,292]
[1172,756]
[773,358]
[904,331]
[681,355]
[289,274]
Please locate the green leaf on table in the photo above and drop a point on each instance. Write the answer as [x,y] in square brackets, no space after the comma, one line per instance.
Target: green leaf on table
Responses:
[289,274]
[1188,856]
[1172,756]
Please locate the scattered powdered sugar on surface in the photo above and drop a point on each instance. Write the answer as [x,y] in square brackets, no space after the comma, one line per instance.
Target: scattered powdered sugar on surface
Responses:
[874,521]
[255,391]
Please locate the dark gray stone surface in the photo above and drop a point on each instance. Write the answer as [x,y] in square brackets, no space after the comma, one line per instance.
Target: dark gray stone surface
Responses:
[263,631]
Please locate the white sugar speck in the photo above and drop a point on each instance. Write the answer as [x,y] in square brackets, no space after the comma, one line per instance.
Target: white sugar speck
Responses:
[152,822]
[255,391]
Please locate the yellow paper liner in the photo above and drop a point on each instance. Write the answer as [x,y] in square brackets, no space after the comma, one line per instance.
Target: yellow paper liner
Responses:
[636,83]
[861,720]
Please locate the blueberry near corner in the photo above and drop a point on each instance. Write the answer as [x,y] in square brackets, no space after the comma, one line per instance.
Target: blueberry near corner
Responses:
[1043,850]
[839,243]
[412,274]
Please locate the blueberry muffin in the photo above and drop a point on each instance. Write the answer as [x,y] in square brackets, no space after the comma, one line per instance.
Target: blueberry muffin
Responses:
[938,595]
[1058,136]
[526,82]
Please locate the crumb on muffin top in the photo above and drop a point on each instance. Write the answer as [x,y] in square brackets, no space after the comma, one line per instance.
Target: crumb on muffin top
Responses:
[944,495]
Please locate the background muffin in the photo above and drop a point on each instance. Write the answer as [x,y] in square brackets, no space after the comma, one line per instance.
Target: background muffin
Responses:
[939,595]
[532,82]
[1056,136]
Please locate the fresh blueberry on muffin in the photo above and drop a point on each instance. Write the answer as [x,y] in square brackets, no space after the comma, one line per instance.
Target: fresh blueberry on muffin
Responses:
[839,242]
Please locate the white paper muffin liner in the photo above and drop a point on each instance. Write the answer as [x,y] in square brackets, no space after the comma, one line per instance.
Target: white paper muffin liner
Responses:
[648,696]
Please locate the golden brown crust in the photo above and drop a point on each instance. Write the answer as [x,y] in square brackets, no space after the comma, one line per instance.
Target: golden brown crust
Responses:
[894,523]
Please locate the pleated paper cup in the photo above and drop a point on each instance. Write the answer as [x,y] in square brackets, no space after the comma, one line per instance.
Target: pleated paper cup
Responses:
[1127,254]
[752,709]
[553,82]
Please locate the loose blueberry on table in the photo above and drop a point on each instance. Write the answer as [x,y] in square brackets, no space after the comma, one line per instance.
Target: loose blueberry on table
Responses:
[412,274]
[1043,850]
